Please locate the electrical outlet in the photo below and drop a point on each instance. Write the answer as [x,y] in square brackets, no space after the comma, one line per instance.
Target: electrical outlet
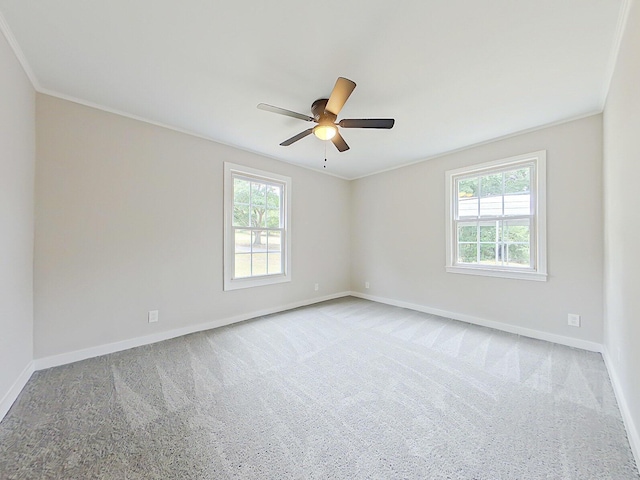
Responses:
[573,320]
[366,284]
[153,316]
[316,287]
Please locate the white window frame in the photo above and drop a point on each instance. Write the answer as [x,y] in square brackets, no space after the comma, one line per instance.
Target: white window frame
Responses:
[538,245]
[231,283]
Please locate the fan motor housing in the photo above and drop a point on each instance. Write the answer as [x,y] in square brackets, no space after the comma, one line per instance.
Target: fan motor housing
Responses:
[318,110]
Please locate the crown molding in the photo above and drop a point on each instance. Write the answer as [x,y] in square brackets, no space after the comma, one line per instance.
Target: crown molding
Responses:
[623,16]
[13,43]
[484,142]
[121,113]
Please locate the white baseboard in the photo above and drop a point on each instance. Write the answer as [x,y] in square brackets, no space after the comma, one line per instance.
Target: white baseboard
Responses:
[85,353]
[70,357]
[16,388]
[505,327]
[633,434]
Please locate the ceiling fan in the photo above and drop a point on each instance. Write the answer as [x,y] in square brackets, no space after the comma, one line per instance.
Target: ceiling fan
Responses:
[325,112]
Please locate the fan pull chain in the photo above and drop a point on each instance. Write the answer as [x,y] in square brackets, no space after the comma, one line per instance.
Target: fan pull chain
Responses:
[325,155]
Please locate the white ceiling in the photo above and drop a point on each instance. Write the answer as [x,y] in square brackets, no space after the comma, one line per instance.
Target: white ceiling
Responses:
[452,73]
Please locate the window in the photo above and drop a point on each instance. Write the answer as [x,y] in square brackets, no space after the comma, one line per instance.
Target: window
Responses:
[497,218]
[256,238]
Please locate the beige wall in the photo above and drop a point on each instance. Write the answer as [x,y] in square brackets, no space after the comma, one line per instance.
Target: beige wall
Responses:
[622,222]
[17,160]
[398,236]
[129,219]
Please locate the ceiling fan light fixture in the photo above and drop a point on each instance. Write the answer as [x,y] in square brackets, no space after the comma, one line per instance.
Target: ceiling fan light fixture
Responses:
[325,112]
[325,132]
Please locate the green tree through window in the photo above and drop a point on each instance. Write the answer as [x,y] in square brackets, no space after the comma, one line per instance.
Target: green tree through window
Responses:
[257,223]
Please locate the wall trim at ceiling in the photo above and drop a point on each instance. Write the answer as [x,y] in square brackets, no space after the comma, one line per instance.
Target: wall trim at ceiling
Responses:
[13,43]
[6,30]
[114,111]
[121,113]
[622,20]
[484,142]
[35,83]
[615,50]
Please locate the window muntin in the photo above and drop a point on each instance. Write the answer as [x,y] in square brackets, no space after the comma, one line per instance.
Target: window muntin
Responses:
[256,227]
[496,218]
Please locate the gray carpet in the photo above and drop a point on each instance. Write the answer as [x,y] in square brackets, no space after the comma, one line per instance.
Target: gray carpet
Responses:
[345,389]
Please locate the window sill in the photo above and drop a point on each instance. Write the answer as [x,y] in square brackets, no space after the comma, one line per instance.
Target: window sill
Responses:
[491,272]
[239,283]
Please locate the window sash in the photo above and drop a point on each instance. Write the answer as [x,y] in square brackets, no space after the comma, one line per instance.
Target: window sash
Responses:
[267,183]
[500,243]
[478,173]
[280,251]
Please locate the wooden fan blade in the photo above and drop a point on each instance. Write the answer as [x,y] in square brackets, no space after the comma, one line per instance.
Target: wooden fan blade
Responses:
[282,111]
[341,91]
[367,123]
[339,142]
[297,137]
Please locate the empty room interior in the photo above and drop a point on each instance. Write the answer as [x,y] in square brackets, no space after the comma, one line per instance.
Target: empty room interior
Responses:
[349,240]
